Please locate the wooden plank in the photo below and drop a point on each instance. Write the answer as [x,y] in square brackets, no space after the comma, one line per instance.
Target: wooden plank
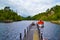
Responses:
[35,35]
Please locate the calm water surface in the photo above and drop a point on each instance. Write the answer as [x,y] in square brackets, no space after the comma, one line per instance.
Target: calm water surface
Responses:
[11,31]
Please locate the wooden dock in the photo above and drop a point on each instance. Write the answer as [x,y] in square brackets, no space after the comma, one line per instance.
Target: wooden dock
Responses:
[32,33]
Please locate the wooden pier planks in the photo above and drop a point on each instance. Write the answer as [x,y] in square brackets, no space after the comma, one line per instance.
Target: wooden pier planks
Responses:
[33,33]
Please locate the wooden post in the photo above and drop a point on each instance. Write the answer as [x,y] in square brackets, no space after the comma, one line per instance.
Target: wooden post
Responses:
[20,36]
[27,30]
[41,36]
[39,32]
[24,34]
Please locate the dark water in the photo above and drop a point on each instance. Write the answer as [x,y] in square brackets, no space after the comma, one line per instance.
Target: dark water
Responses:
[11,31]
[51,31]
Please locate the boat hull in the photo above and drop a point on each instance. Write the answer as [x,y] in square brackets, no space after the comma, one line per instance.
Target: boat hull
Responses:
[41,25]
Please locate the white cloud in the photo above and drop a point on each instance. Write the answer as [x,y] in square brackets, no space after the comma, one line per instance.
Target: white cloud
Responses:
[31,7]
[58,3]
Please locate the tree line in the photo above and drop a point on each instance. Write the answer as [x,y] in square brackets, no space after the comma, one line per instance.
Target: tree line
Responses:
[49,15]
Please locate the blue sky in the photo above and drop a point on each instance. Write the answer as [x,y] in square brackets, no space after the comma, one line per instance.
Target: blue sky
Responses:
[29,7]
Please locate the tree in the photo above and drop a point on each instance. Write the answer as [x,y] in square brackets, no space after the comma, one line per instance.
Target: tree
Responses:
[7,8]
[8,14]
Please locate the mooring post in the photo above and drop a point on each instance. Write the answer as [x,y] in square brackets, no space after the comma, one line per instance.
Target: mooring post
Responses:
[39,32]
[27,30]
[41,36]
[30,26]
[24,34]
[20,36]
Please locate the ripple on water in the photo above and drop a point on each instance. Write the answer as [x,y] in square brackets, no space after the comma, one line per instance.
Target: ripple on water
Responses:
[11,31]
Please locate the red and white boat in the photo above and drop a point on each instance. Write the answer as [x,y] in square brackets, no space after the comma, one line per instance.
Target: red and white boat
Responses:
[40,23]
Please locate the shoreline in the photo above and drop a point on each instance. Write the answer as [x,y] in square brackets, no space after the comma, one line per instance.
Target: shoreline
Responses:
[8,21]
[56,22]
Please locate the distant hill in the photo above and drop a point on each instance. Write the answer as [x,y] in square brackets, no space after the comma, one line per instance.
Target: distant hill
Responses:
[9,14]
[50,14]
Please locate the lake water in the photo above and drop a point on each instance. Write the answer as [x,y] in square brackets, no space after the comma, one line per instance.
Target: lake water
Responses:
[11,31]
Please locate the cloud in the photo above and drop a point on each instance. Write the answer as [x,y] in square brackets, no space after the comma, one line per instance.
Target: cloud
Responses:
[58,3]
[30,7]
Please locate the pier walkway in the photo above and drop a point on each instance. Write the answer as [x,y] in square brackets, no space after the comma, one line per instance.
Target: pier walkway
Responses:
[32,33]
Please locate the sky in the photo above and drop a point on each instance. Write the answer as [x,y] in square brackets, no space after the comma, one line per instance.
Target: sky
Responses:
[29,7]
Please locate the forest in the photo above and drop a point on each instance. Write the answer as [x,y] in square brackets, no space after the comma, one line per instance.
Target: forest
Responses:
[49,15]
[9,14]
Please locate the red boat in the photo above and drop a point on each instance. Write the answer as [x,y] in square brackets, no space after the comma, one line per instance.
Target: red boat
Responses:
[40,23]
